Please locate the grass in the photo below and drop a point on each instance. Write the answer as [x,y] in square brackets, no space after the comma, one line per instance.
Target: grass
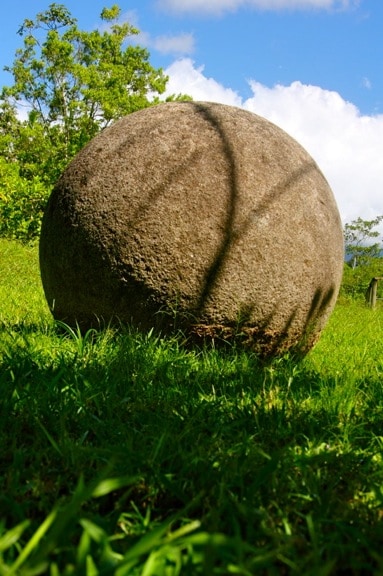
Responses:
[125,454]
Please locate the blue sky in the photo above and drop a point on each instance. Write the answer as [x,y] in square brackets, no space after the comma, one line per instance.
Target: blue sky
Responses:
[314,67]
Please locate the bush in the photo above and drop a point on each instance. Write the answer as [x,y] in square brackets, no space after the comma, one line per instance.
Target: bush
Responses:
[22,203]
[356,280]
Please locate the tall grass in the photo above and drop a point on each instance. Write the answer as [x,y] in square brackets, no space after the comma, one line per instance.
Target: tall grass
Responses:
[124,453]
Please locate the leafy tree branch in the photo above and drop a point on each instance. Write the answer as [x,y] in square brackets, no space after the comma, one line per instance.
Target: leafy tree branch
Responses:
[71,84]
[358,236]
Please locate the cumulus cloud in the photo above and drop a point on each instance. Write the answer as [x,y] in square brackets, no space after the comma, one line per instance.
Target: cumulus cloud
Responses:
[220,6]
[346,144]
[185,78]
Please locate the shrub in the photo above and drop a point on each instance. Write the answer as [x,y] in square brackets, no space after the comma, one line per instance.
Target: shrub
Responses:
[356,280]
[22,203]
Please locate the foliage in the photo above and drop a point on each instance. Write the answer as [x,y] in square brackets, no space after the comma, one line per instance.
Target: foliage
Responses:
[68,84]
[75,83]
[124,453]
[358,235]
[356,280]
[22,203]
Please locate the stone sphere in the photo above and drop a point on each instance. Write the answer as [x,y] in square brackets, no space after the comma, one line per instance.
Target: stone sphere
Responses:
[198,216]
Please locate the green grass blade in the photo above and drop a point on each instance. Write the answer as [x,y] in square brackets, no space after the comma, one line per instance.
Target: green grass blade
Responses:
[33,543]
[13,535]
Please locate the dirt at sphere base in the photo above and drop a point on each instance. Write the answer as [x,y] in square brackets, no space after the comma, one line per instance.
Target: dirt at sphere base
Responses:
[198,216]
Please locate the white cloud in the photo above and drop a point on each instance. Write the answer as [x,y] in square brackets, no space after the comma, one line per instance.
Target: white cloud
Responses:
[346,145]
[177,45]
[23,108]
[129,17]
[186,79]
[220,6]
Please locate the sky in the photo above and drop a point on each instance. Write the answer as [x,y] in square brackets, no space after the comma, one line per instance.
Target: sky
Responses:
[313,67]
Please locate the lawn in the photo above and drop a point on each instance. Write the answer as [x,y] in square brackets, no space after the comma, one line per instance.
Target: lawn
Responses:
[126,454]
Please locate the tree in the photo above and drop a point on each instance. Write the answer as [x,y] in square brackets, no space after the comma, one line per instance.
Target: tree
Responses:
[68,85]
[72,84]
[357,237]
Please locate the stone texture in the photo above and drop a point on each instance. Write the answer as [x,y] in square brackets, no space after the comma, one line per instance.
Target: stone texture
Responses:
[199,215]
